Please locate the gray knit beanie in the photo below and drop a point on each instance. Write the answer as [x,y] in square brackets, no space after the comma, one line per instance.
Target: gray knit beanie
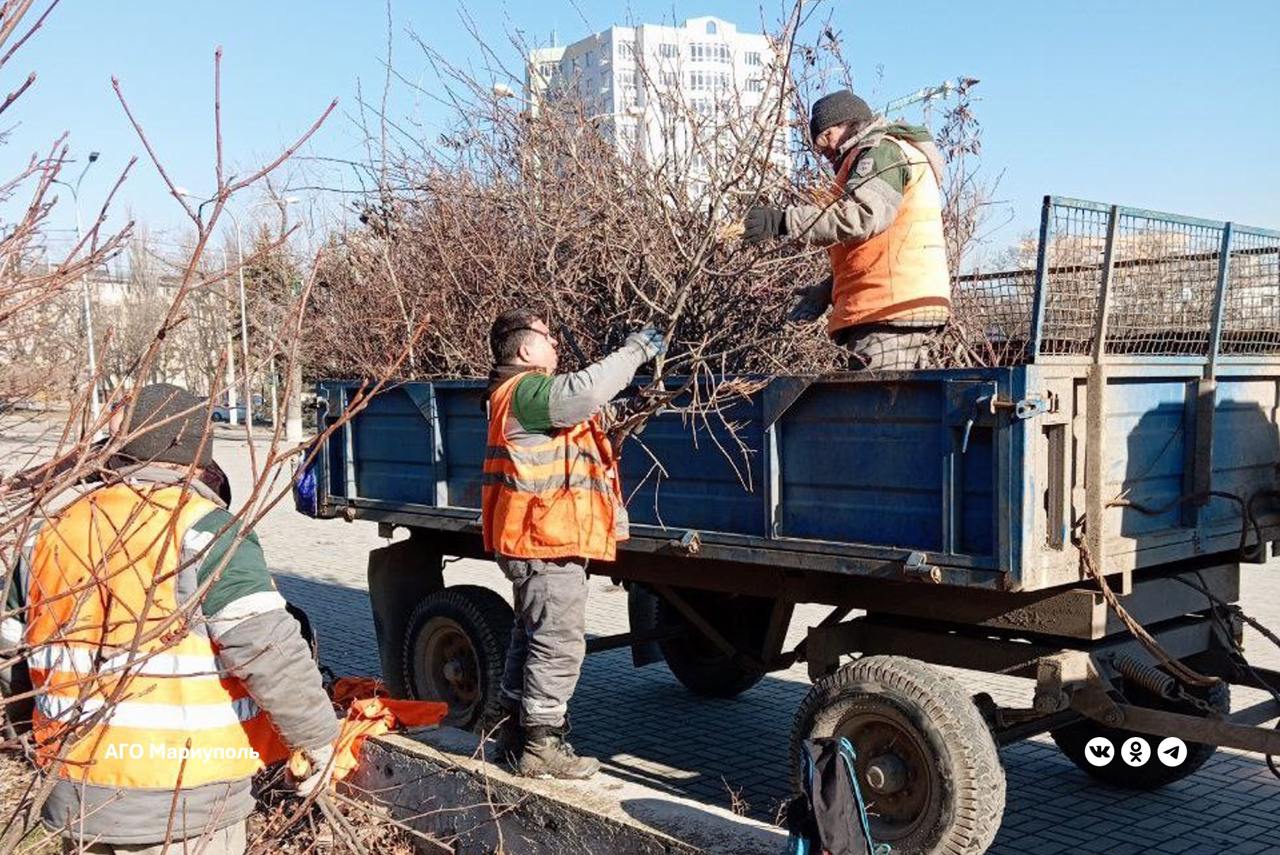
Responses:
[178,440]
[837,108]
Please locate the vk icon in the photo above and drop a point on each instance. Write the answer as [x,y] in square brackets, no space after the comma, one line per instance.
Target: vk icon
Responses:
[1099,751]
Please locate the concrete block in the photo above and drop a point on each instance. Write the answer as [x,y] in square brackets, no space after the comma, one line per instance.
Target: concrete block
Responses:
[439,782]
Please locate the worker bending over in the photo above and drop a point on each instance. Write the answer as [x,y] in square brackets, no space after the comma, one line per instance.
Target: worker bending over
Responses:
[552,502]
[881,223]
[166,668]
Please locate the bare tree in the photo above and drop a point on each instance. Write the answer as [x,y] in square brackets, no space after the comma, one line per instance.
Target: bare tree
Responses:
[142,338]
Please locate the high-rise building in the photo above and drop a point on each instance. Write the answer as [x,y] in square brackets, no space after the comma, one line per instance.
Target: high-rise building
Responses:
[653,87]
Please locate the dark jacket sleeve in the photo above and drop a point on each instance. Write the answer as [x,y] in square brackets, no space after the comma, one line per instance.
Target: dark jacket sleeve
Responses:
[873,194]
[258,641]
[267,652]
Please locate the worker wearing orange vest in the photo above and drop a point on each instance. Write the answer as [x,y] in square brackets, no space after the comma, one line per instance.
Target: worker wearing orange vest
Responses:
[166,668]
[881,223]
[552,502]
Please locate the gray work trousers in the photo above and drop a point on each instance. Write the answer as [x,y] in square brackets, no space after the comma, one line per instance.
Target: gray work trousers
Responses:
[226,841]
[885,347]
[548,639]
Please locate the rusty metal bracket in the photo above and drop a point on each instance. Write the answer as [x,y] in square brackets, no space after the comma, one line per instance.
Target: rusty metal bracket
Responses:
[705,628]
[1093,701]
[917,566]
[690,543]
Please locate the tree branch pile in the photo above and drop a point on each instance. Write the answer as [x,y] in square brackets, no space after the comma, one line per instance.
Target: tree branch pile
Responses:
[606,221]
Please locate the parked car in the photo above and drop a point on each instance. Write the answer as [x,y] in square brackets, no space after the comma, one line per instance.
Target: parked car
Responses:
[221,411]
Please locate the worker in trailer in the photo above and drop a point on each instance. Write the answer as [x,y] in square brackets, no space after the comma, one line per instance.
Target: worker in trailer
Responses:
[552,502]
[166,668]
[889,288]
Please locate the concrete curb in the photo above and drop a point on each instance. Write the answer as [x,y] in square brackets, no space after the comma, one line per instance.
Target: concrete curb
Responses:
[437,781]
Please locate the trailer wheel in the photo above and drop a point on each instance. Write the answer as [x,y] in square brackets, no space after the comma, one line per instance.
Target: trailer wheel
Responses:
[927,764]
[701,666]
[1073,738]
[455,647]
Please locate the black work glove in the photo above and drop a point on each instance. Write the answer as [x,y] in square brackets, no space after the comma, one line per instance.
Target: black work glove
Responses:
[764,223]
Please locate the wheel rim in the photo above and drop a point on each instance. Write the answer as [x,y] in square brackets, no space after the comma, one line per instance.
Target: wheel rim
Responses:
[446,668]
[894,769]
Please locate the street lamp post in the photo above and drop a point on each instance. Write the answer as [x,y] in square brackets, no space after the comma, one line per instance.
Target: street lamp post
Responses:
[232,418]
[244,335]
[244,322]
[95,405]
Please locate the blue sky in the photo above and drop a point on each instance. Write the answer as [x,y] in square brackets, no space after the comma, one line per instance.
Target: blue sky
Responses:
[1167,105]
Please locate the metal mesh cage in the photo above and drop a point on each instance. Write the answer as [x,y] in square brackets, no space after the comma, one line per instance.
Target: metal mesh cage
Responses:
[1073,260]
[1166,282]
[1251,313]
[1162,286]
[1166,278]
[992,316]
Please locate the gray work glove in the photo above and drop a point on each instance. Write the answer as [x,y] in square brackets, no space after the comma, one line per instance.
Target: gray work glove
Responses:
[320,770]
[650,340]
[813,303]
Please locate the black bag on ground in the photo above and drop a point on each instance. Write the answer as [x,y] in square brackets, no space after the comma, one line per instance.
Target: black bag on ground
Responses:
[831,815]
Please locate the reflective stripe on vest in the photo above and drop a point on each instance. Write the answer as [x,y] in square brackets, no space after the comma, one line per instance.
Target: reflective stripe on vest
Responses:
[107,701]
[555,499]
[900,270]
[144,715]
[82,661]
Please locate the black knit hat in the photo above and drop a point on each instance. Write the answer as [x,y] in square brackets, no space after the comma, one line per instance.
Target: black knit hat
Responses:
[837,108]
[178,440]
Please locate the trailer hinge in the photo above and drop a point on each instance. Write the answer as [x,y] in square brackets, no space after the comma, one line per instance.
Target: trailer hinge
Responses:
[689,544]
[917,566]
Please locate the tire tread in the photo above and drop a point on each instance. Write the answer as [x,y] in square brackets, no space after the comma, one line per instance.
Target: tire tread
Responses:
[978,780]
[482,612]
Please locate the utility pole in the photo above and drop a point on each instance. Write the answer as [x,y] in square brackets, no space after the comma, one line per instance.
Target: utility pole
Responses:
[293,412]
[244,335]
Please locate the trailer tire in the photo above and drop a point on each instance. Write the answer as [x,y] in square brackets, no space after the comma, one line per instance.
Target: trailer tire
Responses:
[696,662]
[942,789]
[1152,775]
[455,647]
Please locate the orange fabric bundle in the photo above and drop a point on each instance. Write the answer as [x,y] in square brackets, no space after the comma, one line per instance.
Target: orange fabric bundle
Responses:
[371,713]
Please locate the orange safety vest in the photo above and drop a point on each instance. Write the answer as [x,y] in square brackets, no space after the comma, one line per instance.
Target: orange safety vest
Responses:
[92,571]
[556,499]
[899,270]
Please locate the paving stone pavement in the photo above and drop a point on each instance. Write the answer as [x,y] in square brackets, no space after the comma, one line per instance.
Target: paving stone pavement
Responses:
[646,726]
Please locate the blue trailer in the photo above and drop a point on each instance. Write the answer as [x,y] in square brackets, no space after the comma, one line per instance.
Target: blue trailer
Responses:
[1109,478]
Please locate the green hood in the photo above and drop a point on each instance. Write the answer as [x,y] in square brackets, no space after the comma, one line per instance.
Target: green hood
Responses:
[911,133]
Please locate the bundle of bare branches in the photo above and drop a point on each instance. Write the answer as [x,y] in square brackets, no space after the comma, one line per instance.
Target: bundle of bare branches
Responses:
[605,219]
